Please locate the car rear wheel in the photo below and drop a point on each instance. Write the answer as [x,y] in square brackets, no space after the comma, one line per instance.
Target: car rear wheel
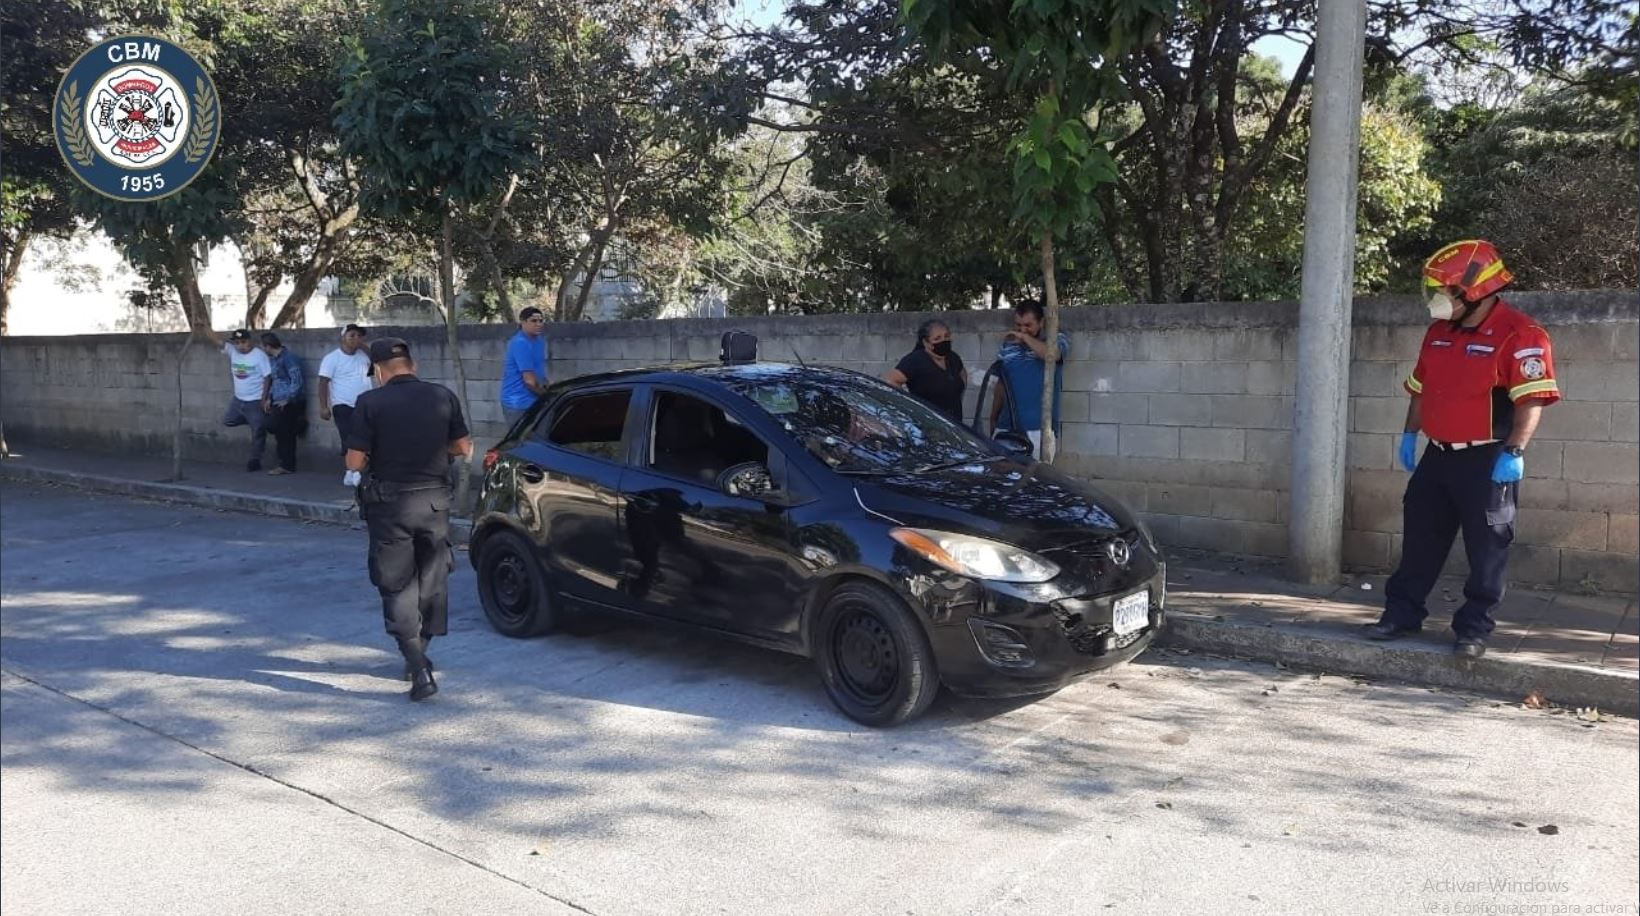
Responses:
[512,587]
[874,657]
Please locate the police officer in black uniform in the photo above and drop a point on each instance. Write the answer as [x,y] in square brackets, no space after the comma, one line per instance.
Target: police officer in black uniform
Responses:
[404,433]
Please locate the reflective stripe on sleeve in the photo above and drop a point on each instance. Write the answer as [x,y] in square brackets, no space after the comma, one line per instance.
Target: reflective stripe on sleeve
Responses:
[1542,386]
[1413,385]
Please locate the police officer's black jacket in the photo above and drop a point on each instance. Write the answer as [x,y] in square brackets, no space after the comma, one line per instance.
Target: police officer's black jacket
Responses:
[406,427]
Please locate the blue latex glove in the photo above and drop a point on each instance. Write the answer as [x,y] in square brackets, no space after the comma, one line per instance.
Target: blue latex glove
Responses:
[1508,468]
[1409,450]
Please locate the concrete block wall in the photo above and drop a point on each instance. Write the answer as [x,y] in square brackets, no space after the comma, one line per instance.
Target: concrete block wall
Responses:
[1183,411]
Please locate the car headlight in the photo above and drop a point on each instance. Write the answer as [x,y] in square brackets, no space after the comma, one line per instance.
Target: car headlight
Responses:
[974,557]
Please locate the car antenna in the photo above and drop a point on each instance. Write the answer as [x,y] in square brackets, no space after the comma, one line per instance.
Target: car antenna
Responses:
[799,358]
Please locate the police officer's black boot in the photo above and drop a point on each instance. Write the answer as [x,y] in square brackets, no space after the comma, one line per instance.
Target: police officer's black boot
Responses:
[409,669]
[1383,631]
[1469,647]
[422,684]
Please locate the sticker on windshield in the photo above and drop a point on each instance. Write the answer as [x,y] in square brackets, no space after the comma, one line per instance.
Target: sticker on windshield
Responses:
[776,399]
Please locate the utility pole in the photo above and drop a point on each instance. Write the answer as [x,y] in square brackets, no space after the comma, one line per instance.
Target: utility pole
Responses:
[1316,530]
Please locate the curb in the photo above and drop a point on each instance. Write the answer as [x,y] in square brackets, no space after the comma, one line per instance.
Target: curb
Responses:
[208,498]
[1608,690]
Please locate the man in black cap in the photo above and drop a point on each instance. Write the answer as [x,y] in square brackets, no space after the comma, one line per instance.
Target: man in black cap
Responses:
[403,434]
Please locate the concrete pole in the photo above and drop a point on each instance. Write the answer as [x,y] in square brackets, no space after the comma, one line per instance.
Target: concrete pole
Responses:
[1316,530]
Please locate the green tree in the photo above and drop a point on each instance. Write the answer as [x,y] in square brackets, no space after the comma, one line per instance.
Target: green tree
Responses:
[1057,51]
[424,111]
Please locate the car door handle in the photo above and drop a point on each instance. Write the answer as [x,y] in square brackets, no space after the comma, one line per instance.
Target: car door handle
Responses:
[532,473]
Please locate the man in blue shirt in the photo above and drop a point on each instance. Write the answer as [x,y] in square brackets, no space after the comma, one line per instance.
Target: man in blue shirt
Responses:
[1021,356]
[524,373]
[288,397]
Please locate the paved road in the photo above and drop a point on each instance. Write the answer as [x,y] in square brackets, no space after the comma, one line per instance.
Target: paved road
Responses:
[201,715]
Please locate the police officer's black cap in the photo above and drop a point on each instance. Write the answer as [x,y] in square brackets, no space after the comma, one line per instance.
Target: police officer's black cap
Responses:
[240,334]
[383,349]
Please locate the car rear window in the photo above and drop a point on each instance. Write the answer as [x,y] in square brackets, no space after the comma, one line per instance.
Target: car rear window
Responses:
[591,424]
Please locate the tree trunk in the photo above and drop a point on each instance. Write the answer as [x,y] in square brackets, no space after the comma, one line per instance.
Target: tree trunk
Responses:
[593,267]
[14,262]
[452,325]
[199,321]
[1050,360]
[293,314]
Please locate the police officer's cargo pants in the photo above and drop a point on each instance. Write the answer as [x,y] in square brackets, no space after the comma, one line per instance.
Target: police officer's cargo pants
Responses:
[410,562]
[1452,491]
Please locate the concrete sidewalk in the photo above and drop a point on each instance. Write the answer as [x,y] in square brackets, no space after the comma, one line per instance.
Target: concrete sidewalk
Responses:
[1577,650]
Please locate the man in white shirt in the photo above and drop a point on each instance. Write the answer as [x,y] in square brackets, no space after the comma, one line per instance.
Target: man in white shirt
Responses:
[252,376]
[344,374]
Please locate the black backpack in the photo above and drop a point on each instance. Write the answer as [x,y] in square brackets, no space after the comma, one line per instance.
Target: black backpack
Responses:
[738,347]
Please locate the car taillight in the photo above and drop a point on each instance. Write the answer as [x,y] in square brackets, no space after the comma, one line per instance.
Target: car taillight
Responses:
[490,458]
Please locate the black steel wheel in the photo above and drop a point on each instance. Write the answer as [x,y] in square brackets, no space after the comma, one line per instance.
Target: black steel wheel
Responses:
[512,587]
[874,656]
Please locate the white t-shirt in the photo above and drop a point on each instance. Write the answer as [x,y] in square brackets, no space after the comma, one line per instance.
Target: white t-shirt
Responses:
[248,371]
[349,375]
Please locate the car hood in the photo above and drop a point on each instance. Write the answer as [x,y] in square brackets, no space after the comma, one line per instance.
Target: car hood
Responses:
[1032,506]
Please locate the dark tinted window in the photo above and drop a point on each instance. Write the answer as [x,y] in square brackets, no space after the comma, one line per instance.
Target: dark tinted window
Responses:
[591,424]
[697,440]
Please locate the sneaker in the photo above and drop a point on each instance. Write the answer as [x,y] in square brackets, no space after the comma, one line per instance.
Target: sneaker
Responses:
[279,472]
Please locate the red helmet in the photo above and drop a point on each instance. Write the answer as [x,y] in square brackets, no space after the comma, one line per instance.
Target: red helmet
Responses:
[1474,267]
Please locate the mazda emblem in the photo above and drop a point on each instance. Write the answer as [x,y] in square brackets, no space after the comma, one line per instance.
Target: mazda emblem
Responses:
[1117,550]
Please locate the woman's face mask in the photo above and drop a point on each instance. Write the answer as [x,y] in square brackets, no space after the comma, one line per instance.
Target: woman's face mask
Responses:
[943,348]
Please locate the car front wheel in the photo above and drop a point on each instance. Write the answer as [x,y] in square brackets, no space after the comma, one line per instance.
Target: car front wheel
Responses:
[874,657]
[512,587]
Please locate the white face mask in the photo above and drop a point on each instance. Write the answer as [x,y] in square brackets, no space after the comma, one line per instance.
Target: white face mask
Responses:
[1442,307]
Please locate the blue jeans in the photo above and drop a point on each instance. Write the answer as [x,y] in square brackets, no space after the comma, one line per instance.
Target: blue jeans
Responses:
[249,413]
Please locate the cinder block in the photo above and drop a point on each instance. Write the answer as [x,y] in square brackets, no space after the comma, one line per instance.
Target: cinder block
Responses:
[1608,571]
[1268,377]
[1366,551]
[1371,452]
[1623,381]
[1252,411]
[1255,538]
[1623,534]
[1587,421]
[1091,438]
[1118,408]
[1376,379]
[1149,441]
[1552,528]
[1598,497]
[1180,499]
[1256,343]
[1214,378]
[1379,415]
[1602,462]
[1149,376]
[1385,342]
[1531,565]
[1091,375]
[1165,528]
[1244,505]
[1270,447]
[866,348]
[1625,421]
[1545,460]
[1212,444]
[1580,342]
[1367,510]
[1180,410]
[1073,406]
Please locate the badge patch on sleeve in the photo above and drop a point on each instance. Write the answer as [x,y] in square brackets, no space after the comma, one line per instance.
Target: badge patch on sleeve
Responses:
[1532,368]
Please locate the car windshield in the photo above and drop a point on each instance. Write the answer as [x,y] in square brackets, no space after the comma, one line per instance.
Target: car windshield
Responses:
[859,425]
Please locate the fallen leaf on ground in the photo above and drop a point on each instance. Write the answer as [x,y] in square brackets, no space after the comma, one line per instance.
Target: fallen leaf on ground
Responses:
[1516,824]
[1114,686]
[1549,830]
[1535,700]
[1165,806]
[1194,672]
[1175,782]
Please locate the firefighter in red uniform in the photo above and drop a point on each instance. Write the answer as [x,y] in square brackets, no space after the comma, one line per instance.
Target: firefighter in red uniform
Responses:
[1484,374]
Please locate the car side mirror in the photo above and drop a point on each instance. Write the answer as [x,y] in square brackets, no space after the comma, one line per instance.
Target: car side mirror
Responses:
[751,480]
[1015,444]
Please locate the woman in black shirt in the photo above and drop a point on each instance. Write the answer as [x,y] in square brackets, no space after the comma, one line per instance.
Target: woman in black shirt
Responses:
[933,372]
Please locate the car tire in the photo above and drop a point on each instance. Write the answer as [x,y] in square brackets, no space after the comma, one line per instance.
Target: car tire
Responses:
[512,587]
[874,658]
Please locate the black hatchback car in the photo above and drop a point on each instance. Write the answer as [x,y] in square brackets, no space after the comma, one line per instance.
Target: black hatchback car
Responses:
[814,511]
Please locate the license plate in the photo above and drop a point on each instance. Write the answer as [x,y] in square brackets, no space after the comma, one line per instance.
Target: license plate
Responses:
[1131,613]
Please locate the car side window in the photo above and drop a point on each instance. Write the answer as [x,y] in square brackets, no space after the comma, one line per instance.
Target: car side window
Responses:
[591,424]
[696,440]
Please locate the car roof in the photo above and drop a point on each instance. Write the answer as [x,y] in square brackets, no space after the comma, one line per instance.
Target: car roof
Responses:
[720,373]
